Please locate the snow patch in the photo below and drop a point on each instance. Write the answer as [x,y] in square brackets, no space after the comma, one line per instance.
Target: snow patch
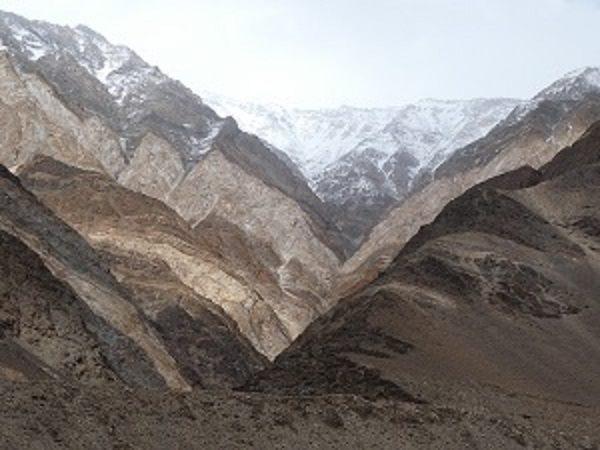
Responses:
[200,146]
[31,42]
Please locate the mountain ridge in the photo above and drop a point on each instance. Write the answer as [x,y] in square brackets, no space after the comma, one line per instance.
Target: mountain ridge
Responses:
[177,150]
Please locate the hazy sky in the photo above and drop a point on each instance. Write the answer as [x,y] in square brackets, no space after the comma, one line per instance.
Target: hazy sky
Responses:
[316,53]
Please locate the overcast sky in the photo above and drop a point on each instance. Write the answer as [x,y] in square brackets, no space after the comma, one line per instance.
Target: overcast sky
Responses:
[316,53]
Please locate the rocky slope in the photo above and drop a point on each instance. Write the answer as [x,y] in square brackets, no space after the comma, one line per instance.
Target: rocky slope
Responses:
[498,294]
[530,135]
[362,161]
[70,95]
[65,315]
[425,332]
[154,251]
[151,116]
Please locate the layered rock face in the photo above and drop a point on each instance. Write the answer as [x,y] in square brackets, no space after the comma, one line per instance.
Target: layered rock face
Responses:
[531,135]
[501,289]
[152,249]
[64,313]
[70,95]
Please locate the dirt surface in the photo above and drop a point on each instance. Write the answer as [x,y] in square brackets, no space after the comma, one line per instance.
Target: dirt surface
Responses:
[56,416]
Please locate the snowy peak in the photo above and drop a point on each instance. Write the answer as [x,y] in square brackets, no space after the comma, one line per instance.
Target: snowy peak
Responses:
[313,139]
[573,86]
[364,160]
[430,130]
[118,68]
[317,139]
[113,82]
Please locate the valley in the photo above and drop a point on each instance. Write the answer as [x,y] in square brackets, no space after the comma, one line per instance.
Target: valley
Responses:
[185,271]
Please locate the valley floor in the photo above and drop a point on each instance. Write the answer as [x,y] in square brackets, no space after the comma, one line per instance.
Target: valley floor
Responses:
[52,415]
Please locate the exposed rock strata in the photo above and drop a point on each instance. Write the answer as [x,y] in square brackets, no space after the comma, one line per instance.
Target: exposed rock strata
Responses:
[242,277]
[153,135]
[97,326]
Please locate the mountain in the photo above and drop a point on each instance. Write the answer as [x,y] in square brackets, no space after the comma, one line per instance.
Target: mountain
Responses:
[66,313]
[154,258]
[531,135]
[496,296]
[362,161]
[68,94]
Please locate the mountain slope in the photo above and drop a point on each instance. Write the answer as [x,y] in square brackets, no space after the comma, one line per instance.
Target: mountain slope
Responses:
[70,95]
[498,293]
[160,254]
[531,135]
[146,327]
[137,102]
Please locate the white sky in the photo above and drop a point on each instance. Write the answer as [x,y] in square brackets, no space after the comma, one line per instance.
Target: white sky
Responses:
[316,53]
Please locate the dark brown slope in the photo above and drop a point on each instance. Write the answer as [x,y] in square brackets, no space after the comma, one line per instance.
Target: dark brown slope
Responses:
[46,329]
[501,291]
[61,301]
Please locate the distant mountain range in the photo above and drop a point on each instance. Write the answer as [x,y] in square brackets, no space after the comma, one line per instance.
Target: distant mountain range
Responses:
[362,161]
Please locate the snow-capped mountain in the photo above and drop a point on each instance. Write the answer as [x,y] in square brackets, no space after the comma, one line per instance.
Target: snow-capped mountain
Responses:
[574,86]
[114,82]
[527,139]
[364,160]
[316,139]
[312,138]
[70,95]
[418,136]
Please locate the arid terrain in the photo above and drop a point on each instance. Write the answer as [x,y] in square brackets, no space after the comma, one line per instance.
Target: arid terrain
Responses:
[169,280]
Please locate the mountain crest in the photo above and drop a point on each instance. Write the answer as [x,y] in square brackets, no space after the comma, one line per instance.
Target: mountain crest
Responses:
[573,86]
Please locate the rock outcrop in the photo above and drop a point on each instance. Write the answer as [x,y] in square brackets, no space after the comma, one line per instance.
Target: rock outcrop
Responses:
[155,250]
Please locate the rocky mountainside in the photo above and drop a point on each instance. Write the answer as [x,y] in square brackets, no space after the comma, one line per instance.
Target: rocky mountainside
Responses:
[531,135]
[362,161]
[68,94]
[68,312]
[498,294]
[151,251]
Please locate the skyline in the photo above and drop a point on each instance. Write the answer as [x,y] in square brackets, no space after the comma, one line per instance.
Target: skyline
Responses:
[326,54]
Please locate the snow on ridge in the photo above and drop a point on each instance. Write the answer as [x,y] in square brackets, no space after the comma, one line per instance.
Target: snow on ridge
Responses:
[105,63]
[317,139]
[200,146]
[101,59]
[312,138]
[592,76]
[31,41]
[573,85]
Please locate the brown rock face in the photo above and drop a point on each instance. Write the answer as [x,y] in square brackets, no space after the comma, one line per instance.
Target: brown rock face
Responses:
[501,289]
[154,251]
[62,303]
